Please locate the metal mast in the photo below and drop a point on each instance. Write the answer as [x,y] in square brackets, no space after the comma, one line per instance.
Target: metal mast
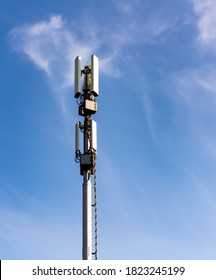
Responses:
[86,99]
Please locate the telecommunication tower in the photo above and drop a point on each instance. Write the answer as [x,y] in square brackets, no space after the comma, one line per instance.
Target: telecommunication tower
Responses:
[87,106]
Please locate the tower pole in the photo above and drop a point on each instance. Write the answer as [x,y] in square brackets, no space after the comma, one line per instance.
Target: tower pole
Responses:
[87,219]
[87,106]
[86,204]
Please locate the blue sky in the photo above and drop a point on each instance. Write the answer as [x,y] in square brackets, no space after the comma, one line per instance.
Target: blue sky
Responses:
[156,128]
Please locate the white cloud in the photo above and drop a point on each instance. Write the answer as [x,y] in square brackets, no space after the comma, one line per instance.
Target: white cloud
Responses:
[194,89]
[52,47]
[126,6]
[193,93]
[52,44]
[197,87]
[206,12]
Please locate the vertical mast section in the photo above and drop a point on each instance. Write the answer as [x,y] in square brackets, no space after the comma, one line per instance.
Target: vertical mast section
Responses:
[87,159]
[87,201]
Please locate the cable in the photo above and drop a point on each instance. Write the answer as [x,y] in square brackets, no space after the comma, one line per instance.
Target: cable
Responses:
[95,209]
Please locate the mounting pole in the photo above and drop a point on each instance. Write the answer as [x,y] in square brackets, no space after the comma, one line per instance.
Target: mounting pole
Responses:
[87,204]
[87,218]
[87,106]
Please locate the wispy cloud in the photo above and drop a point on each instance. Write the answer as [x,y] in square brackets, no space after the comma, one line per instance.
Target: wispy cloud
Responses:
[52,47]
[193,89]
[126,6]
[206,12]
[53,44]
[193,94]
[196,87]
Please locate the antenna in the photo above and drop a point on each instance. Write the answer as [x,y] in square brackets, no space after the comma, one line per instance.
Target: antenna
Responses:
[77,77]
[95,75]
[87,158]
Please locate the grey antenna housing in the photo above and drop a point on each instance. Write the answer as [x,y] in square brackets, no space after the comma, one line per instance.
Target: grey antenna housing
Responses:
[94,136]
[94,75]
[77,77]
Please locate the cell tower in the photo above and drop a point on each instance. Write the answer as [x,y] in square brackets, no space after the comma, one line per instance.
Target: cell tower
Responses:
[86,99]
